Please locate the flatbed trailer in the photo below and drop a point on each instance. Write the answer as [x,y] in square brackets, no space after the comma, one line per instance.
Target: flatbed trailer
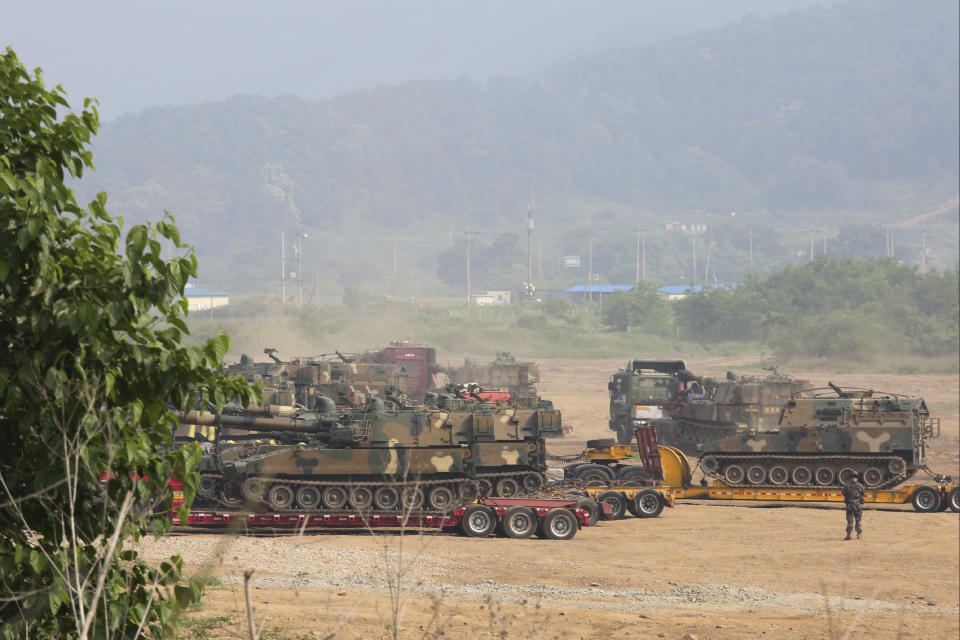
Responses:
[550,518]
[671,476]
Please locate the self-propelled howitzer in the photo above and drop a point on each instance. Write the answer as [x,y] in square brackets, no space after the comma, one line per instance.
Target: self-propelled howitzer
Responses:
[376,458]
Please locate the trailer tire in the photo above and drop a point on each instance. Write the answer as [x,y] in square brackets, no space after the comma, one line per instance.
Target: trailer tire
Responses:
[519,523]
[618,504]
[592,508]
[593,472]
[953,499]
[926,500]
[478,521]
[648,503]
[558,524]
[601,443]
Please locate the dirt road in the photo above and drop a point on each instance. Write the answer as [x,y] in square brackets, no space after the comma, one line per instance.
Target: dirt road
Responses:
[701,570]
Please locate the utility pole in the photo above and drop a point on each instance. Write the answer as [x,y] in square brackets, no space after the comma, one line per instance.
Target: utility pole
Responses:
[529,252]
[824,243]
[468,268]
[540,258]
[636,279]
[923,251]
[693,276]
[590,273]
[300,236]
[811,244]
[283,268]
[750,239]
[643,255]
[706,264]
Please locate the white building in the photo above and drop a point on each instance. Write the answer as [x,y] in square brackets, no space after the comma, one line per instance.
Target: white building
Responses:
[491,298]
[200,299]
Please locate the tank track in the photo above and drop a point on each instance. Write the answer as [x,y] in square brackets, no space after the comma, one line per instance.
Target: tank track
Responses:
[475,480]
[837,463]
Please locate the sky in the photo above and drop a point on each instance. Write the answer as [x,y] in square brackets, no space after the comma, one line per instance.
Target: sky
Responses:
[134,55]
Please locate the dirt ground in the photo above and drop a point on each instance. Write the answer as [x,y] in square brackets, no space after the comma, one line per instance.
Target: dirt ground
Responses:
[701,570]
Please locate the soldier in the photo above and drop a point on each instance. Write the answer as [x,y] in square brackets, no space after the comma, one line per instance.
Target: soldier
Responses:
[853,497]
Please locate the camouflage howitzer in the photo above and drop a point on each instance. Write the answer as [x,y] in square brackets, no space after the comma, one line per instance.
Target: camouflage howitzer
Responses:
[639,391]
[505,374]
[302,380]
[824,436]
[374,458]
[706,410]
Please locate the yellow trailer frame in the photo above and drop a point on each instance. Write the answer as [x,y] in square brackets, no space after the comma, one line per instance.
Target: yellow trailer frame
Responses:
[677,476]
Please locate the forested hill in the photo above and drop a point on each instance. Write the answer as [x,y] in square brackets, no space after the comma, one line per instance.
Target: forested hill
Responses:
[847,108]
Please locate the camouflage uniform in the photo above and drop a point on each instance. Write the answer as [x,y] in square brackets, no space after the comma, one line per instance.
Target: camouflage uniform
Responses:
[853,497]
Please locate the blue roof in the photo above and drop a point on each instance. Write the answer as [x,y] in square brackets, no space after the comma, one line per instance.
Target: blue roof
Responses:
[600,288]
[196,292]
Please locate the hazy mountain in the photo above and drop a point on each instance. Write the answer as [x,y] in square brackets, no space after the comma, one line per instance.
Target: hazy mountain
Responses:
[847,108]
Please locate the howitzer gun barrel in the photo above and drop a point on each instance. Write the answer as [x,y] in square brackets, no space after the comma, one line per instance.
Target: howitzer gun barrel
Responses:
[250,423]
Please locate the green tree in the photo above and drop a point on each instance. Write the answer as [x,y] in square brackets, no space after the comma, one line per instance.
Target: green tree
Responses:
[92,360]
[641,307]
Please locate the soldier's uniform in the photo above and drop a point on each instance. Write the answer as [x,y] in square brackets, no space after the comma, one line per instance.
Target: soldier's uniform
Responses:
[853,497]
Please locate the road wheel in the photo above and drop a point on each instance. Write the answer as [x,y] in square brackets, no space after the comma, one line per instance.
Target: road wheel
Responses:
[801,476]
[478,521]
[519,522]
[532,482]
[484,487]
[334,497]
[253,489]
[601,443]
[467,491]
[592,508]
[207,487]
[558,524]
[897,466]
[308,496]
[648,503]
[756,474]
[228,498]
[779,475]
[386,498]
[280,497]
[733,474]
[844,476]
[508,488]
[594,473]
[872,477]
[953,499]
[411,497]
[824,476]
[926,500]
[618,504]
[361,498]
[440,498]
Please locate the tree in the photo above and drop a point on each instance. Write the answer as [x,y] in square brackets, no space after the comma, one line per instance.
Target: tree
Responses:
[92,359]
[642,307]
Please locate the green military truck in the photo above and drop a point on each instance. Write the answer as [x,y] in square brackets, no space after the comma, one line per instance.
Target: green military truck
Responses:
[639,391]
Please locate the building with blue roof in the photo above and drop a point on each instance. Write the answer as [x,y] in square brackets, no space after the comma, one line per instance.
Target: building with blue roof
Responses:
[201,299]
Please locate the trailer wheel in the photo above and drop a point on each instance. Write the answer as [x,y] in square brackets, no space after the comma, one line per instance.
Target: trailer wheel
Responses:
[618,504]
[594,473]
[570,470]
[926,499]
[648,503]
[519,523]
[601,443]
[953,499]
[592,508]
[558,524]
[478,521]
